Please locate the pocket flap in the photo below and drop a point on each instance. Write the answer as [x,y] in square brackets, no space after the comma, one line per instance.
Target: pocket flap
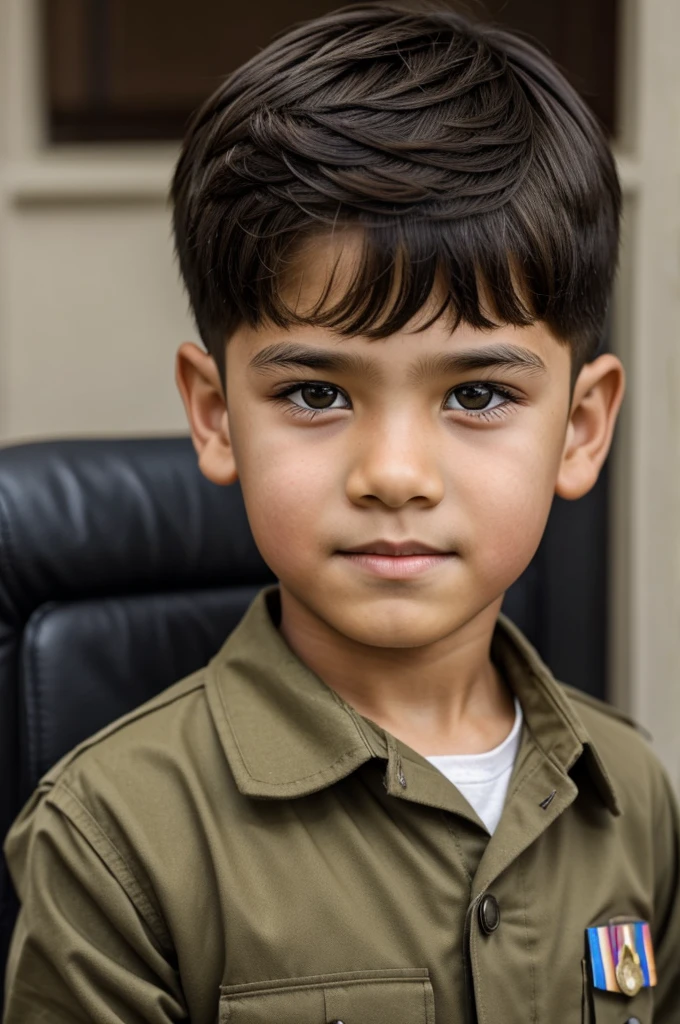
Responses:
[361,997]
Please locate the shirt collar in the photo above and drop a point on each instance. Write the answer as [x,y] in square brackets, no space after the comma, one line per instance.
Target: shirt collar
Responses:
[286,733]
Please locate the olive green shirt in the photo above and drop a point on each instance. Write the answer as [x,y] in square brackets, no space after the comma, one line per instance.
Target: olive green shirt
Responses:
[247,848]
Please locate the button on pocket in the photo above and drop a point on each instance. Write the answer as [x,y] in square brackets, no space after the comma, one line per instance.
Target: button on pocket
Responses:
[361,997]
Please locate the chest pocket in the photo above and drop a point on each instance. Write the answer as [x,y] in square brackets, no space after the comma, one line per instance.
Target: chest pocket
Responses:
[362,997]
[610,1008]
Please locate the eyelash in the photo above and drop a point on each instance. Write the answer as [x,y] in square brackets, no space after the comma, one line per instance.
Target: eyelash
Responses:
[282,396]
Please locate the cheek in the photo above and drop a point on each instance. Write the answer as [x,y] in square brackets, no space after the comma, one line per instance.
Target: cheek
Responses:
[506,501]
[286,492]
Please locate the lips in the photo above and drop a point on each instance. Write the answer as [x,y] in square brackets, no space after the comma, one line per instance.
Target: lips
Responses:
[390,549]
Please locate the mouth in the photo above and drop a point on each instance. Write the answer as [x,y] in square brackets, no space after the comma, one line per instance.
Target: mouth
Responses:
[389,549]
[396,561]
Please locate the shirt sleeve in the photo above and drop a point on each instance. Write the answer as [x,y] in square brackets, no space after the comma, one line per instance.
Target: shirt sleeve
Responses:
[86,947]
[666,926]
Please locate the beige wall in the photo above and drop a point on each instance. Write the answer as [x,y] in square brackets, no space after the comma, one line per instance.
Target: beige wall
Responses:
[91,309]
[91,313]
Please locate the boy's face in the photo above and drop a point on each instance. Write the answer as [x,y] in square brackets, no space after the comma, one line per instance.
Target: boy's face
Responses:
[455,441]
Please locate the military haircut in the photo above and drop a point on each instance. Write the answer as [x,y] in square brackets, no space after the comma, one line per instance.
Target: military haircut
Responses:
[459,150]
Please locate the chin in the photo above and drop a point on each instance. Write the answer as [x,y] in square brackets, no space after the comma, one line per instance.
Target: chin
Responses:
[393,627]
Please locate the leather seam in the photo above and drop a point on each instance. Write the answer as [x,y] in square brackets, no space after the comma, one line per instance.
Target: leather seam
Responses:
[34,708]
[7,545]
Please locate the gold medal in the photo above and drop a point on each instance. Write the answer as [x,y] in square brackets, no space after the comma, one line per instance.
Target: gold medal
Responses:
[621,956]
[628,972]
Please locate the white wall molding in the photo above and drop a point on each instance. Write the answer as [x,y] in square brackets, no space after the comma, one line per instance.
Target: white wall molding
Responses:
[646,498]
[133,173]
[78,177]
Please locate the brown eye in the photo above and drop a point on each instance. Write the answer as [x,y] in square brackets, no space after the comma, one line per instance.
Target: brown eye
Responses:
[319,396]
[474,396]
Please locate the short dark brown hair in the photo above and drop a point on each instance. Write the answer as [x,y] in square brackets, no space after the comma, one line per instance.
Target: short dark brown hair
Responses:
[460,151]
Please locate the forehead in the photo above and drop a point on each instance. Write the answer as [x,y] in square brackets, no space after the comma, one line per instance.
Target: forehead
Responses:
[324,267]
[318,275]
[320,269]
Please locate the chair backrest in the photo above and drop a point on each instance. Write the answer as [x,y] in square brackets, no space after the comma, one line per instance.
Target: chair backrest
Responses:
[121,571]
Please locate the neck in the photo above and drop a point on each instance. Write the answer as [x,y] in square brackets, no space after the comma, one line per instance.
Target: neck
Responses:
[442,698]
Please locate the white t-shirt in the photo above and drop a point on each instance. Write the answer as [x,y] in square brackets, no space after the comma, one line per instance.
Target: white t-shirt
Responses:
[483,778]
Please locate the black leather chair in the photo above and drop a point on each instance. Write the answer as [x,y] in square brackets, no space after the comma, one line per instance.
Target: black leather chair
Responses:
[121,571]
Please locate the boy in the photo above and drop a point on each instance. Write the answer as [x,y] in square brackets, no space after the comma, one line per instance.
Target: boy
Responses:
[398,232]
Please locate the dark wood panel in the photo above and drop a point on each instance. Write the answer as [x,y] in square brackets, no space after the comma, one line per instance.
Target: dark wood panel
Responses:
[135,69]
[580,35]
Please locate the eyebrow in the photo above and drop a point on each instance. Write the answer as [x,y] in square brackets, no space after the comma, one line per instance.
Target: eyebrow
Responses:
[288,355]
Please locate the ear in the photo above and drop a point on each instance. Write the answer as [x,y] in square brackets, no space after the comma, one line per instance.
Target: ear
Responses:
[200,386]
[598,393]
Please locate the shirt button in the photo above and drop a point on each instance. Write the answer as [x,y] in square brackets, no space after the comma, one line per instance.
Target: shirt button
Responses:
[489,914]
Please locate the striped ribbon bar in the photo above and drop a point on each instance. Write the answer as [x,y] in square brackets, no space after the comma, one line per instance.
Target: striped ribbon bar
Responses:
[606,944]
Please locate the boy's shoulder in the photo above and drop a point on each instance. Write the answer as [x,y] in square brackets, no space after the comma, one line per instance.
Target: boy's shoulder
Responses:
[624,748]
[154,721]
[600,713]
[155,756]
[133,787]
[609,739]
[174,735]
[129,798]
[179,722]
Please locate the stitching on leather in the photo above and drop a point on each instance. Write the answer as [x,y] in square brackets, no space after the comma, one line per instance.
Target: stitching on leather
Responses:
[7,545]
[34,708]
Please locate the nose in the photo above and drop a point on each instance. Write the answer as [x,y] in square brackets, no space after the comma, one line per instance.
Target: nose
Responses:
[395,463]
